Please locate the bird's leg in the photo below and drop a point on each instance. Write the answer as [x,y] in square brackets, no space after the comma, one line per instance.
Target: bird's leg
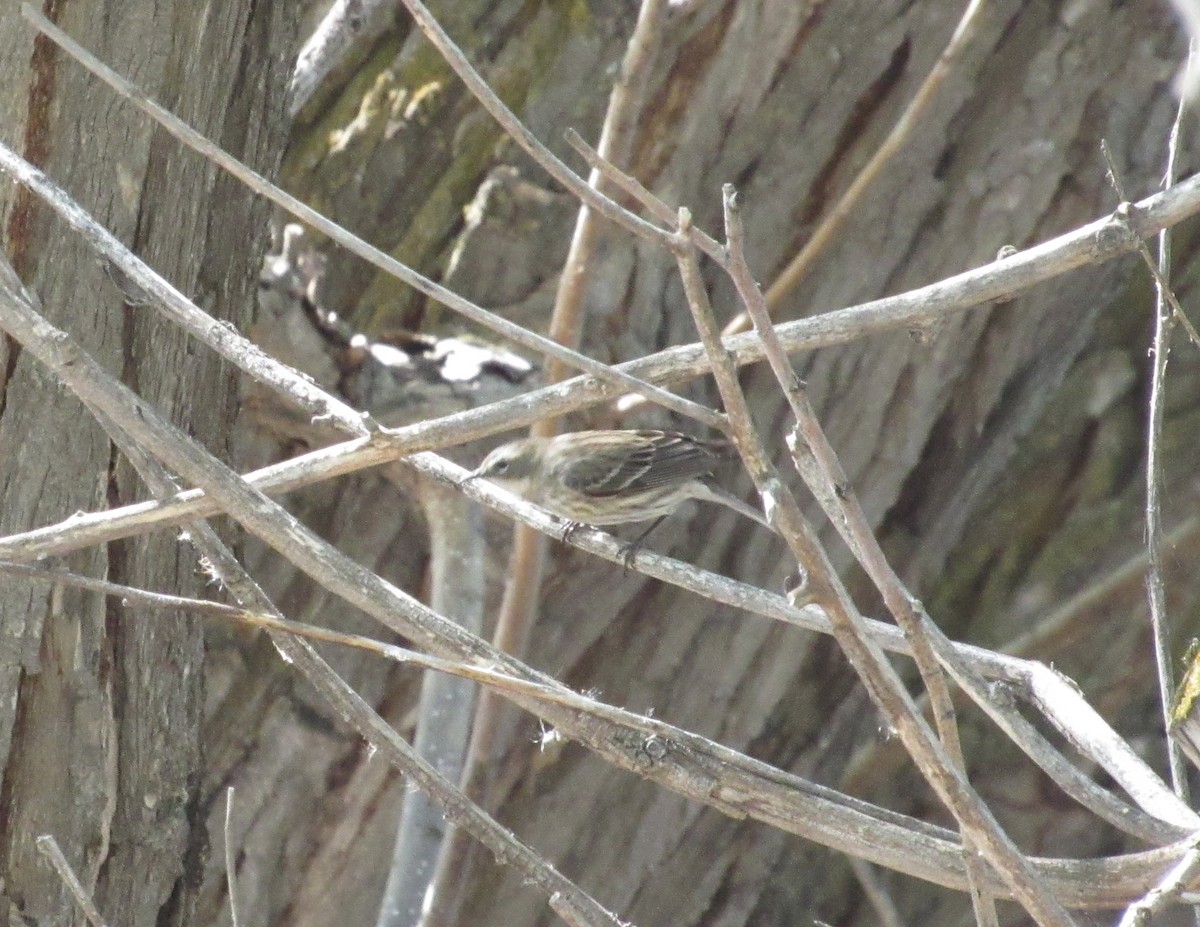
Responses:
[569,529]
[636,544]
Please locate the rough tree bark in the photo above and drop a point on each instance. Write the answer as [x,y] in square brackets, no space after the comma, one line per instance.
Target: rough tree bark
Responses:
[100,733]
[1000,456]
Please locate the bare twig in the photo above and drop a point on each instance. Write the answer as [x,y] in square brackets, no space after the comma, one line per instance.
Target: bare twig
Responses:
[219,336]
[1165,303]
[823,473]
[527,562]
[135,425]
[830,808]
[832,222]
[230,860]
[825,588]
[1155,584]
[691,766]
[607,169]
[1165,892]
[508,120]
[1160,270]
[877,894]
[143,277]
[445,706]
[50,849]
[1101,240]
[1048,691]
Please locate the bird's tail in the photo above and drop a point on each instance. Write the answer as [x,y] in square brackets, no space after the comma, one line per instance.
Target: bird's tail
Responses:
[715,493]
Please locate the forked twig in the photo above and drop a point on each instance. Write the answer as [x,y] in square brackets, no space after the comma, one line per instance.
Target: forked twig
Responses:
[825,589]
[1155,582]
[822,472]
[692,765]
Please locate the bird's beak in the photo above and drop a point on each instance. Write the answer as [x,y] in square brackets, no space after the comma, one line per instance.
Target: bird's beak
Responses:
[473,475]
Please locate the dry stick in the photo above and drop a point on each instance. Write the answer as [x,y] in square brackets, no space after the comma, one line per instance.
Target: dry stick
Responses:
[1157,270]
[798,268]
[527,562]
[1168,890]
[50,849]
[1098,241]
[1124,230]
[518,131]
[877,894]
[133,596]
[632,186]
[220,336]
[691,765]
[230,867]
[141,275]
[1053,695]
[1155,584]
[825,588]
[135,425]
[828,482]
[1164,321]
[1050,692]
[140,597]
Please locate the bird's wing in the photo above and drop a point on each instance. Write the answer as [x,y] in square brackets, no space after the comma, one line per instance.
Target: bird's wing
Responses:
[657,459]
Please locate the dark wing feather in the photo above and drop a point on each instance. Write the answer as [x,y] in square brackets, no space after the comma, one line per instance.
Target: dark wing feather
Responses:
[658,459]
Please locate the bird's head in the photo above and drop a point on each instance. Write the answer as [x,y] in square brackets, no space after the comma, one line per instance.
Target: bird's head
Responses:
[511,465]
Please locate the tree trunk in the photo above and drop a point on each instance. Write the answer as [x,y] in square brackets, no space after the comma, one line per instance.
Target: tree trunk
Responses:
[100,741]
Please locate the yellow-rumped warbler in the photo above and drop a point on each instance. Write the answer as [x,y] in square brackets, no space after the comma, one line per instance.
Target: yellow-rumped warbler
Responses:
[612,477]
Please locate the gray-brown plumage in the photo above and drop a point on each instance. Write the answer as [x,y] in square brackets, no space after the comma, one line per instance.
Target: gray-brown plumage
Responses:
[612,477]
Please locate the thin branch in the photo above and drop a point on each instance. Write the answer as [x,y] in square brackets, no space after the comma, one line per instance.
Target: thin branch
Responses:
[629,184]
[1155,583]
[823,473]
[825,588]
[691,765]
[877,894]
[230,860]
[143,277]
[491,678]
[1100,240]
[517,130]
[1165,892]
[1165,303]
[134,425]
[220,336]
[445,706]
[1160,270]
[1047,690]
[527,562]
[831,224]
[50,849]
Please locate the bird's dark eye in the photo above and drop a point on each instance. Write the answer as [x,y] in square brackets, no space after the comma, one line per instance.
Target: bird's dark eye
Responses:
[500,466]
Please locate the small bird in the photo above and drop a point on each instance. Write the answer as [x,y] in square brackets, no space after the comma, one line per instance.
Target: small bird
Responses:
[612,477]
